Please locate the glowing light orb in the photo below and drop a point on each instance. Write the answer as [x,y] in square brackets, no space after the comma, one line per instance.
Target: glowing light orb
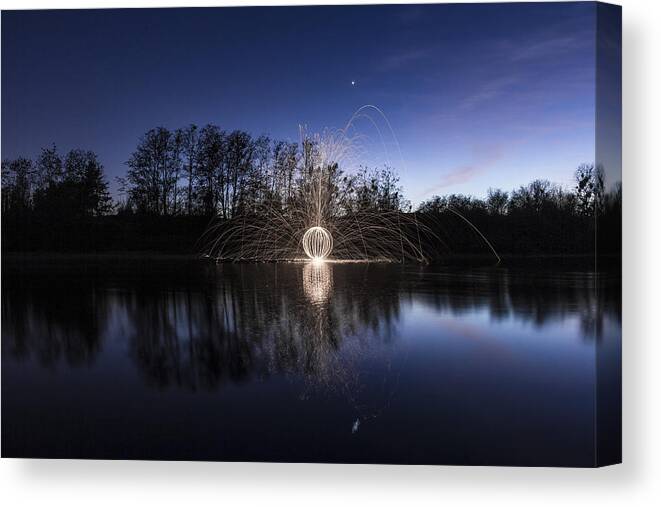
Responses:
[317,243]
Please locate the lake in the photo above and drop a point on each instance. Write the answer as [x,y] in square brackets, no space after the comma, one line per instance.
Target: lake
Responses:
[147,357]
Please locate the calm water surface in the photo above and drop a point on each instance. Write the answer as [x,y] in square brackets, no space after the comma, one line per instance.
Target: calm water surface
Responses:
[158,358]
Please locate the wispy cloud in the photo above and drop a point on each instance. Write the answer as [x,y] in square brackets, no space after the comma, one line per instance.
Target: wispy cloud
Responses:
[460,174]
[556,40]
[548,47]
[488,91]
[483,158]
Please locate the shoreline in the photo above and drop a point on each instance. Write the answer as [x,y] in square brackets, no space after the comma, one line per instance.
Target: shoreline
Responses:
[584,261]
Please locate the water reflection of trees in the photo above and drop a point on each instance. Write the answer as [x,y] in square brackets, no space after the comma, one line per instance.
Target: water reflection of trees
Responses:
[52,318]
[253,321]
[537,296]
[199,325]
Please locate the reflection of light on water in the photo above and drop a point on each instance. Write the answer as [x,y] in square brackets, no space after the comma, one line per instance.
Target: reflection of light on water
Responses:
[336,349]
[317,281]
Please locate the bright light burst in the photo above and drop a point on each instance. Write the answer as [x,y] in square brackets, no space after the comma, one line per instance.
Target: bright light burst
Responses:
[317,243]
[322,213]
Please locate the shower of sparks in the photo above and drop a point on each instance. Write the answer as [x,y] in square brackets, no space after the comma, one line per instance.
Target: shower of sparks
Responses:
[319,220]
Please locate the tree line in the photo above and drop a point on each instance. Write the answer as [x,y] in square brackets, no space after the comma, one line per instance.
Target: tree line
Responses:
[208,171]
[176,180]
[541,218]
[587,198]
[71,185]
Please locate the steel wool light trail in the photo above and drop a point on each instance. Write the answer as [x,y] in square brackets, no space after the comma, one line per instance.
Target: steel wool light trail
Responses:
[333,209]
[317,243]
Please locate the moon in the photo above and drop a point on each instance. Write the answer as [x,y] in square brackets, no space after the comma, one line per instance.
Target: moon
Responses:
[353,83]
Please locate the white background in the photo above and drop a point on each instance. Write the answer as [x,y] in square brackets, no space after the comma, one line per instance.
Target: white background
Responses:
[636,482]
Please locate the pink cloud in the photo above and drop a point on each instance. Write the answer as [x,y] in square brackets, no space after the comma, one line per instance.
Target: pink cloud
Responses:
[484,157]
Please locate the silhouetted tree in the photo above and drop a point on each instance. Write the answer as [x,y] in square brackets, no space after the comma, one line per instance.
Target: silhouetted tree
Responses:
[48,168]
[497,201]
[151,180]
[85,179]
[258,183]
[17,178]
[285,162]
[375,190]
[177,150]
[240,152]
[464,204]
[211,177]
[190,145]
[536,197]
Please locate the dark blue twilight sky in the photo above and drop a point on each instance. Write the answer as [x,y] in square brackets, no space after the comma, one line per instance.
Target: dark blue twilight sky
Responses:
[479,96]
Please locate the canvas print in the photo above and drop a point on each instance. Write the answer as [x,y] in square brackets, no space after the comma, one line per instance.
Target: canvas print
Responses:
[383,234]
